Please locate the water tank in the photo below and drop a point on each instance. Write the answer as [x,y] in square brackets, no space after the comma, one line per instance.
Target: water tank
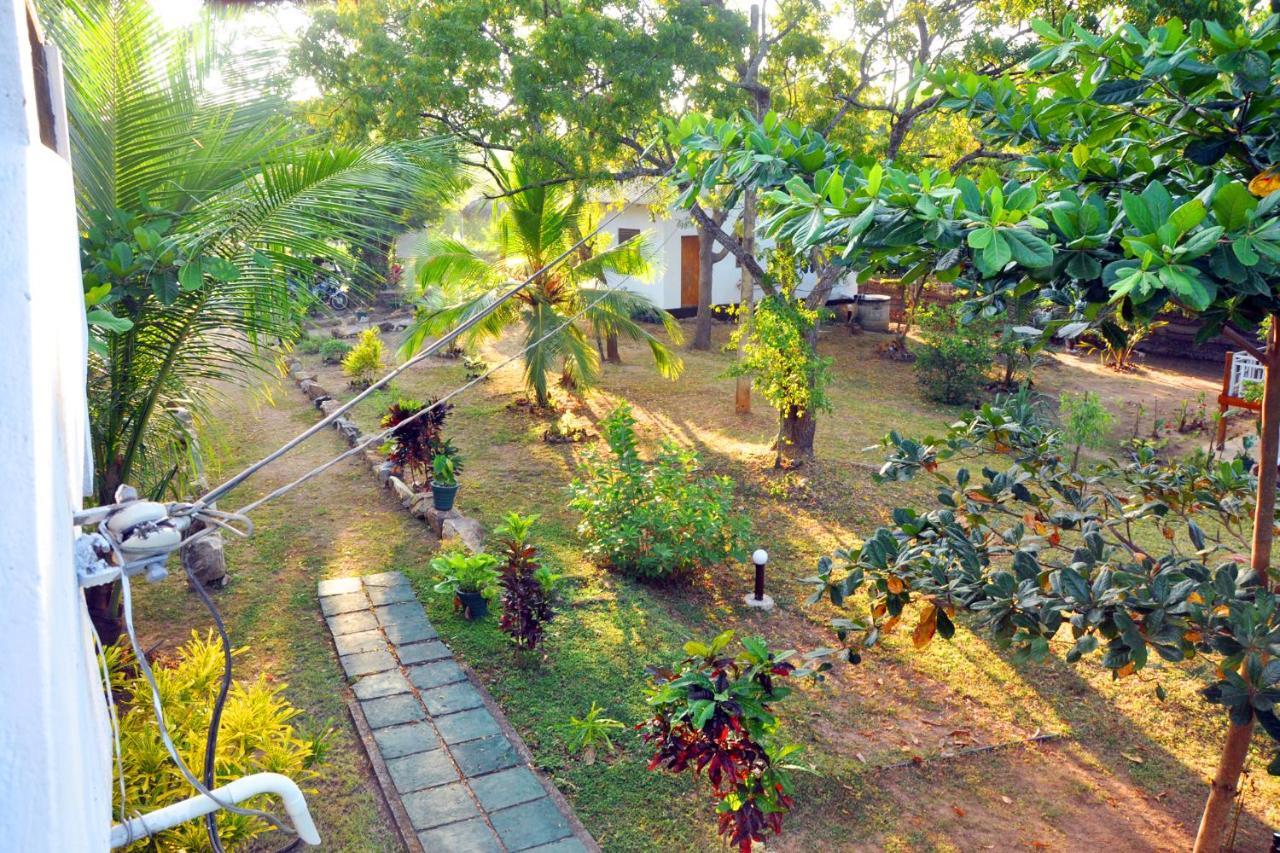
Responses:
[873,312]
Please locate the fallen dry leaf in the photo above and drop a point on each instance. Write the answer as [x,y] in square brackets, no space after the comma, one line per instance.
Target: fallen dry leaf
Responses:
[959,811]
[1006,801]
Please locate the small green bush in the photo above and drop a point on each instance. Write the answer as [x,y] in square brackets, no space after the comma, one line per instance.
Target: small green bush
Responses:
[257,735]
[654,518]
[364,361]
[310,344]
[462,572]
[333,351]
[953,358]
[1085,422]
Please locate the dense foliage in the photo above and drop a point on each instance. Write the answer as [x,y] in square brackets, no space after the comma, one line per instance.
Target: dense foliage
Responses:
[531,228]
[1031,547]
[416,443]
[194,205]
[258,735]
[953,357]
[528,587]
[653,518]
[713,714]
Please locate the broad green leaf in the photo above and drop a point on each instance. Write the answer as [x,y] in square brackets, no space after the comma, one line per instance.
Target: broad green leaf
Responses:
[1188,216]
[191,276]
[1135,210]
[997,253]
[1232,204]
[104,319]
[1028,249]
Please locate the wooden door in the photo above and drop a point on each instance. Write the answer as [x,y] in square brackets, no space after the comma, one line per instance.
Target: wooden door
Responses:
[689,271]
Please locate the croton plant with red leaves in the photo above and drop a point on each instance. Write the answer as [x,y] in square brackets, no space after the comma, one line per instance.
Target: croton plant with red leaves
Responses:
[712,716]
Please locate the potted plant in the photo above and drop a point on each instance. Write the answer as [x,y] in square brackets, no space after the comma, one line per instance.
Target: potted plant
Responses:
[444,482]
[472,578]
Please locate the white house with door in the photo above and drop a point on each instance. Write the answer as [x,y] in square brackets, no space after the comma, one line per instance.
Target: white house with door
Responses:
[672,236]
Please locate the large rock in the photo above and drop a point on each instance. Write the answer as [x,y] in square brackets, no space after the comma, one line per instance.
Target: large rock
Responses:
[468,530]
[328,406]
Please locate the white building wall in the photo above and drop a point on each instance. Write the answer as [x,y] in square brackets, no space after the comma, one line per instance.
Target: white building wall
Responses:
[54,738]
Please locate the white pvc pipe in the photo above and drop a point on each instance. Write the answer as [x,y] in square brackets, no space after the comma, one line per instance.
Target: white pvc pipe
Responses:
[233,792]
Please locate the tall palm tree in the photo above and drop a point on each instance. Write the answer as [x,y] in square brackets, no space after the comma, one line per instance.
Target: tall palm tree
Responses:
[530,228]
[194,205]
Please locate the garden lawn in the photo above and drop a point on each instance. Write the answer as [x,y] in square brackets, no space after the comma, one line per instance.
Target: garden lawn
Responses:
[885,742]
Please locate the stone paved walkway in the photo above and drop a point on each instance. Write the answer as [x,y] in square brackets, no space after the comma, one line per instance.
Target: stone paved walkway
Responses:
[462,782]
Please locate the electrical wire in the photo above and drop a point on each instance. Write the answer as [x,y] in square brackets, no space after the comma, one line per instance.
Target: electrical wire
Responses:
[217,492]
[385,434]
[115,727]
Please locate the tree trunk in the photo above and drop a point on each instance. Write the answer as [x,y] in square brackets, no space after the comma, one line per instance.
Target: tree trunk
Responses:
[1226,782]
[611,348]
[796,431]
[746,299]
[706,266]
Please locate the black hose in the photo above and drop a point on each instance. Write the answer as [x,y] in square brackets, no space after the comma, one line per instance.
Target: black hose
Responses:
[215,717]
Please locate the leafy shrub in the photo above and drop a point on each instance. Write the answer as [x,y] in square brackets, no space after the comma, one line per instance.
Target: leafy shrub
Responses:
[953,358]
[1251,391]
[416,443]
[1085,422]
[256,736]
[713,715]
[592,730]
[1116,341]
[462,572]
[527,585]
[310,344]
[654,518]
[364,361]
[333,351]
[444,470]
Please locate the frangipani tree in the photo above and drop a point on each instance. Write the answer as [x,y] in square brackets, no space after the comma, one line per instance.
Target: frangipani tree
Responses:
[532,226]
[1145,178]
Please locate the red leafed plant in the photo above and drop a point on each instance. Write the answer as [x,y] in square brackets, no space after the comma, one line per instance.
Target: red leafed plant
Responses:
[527,586]
[712,715]
[415,443]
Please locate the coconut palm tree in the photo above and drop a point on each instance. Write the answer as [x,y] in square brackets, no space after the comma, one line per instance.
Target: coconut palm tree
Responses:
[195,205]
[530,228]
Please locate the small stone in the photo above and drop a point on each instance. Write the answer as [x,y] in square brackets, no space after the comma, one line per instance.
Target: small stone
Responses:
[421,770]
[438,806]
[204,559]
[329,406]
[391,710]
[466,529]
[419,652]
[338,586]
[353,622]
[389,683]
[478,757]
[361,641]
[467,725]
[451,698]
[367,663]
[332,605]
[410,739]
[468,836]
[421,507]
[530,824]
[426,676]
[384,472]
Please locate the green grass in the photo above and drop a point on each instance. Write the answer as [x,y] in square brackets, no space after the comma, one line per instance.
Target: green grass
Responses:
[900,703]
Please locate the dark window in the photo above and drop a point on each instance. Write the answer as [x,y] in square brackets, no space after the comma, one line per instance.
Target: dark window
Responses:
[625,234]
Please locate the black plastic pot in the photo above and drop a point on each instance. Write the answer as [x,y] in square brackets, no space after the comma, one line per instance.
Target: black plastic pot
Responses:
[442,497]
[474,605]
